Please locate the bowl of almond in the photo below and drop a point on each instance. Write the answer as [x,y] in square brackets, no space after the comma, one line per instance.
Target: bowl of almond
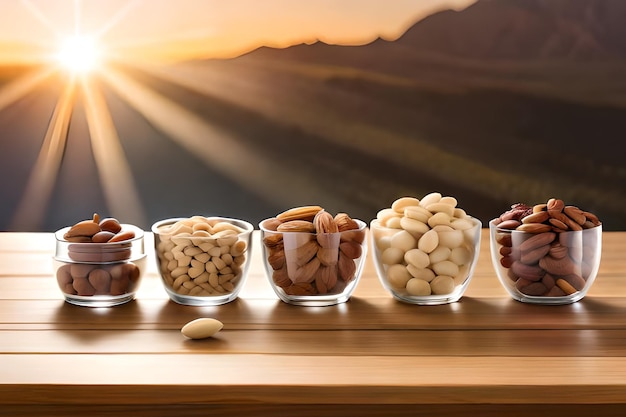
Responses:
[548,253]
[99,262]
[312,257]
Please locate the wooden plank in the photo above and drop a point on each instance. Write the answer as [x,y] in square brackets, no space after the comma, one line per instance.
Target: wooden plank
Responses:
[357,313]
[125,379]
[316,409]
[423,343]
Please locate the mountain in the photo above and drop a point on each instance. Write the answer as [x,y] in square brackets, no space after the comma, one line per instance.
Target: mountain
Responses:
[525,30]
[499,30]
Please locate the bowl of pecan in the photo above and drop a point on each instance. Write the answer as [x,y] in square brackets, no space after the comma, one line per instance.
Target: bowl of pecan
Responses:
[99,262]
[548,253]
[311,257]
[425,250]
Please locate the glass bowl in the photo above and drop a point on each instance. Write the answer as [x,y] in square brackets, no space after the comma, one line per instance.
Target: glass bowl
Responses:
[546,268]
[313,269]
[439,275]
[203,261]
[99,274]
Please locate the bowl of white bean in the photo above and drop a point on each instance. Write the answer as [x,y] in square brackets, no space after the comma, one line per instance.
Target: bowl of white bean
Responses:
[425,250]
[203,261]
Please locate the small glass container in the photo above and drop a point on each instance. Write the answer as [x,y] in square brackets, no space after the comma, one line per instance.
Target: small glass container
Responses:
[314,269]
[203,261]
[99,274]
[438,277]
[552,268]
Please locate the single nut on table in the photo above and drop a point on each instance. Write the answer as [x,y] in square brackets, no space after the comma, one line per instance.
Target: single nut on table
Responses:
[310,252]
[536,248]
[425,249]
[202,328]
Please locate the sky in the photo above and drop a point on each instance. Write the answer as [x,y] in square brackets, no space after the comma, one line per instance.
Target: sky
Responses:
[170,30]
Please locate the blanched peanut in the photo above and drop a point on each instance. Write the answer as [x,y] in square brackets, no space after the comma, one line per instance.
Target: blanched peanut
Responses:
[426,246]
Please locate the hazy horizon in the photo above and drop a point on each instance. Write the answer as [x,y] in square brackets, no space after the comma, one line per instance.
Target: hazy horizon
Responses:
[162,30]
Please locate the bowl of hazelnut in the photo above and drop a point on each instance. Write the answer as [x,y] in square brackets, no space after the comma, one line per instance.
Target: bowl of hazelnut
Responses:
[548,253]
[203,261]
[99,262]
[311,257]
[425,250]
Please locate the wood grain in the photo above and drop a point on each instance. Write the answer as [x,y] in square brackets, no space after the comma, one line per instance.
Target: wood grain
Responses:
[486,354]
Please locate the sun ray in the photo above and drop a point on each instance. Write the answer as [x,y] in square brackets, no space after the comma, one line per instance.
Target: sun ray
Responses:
[77,27]
[117,18]
[30,212]
[17,89]
[216,147]
[114,171]
[41,17]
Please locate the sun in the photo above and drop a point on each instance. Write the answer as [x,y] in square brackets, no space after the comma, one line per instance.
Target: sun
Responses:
[79,54]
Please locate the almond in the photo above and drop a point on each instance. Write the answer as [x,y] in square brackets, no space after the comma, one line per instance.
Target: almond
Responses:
[575,214]
[555,204]
[345,222]
[532,256]
[271,224]
[276,258]
[534,228]
[299,213]
[85,228]
[325,223]
[351,249]
[558,251]
[326,278]
[537,241]
[538,217]
[304,253]
[122,236]
[300,288]
[306,273]
[272,240]
[565,286]
[592,218]
[346,268]
[328,256]
[303,226]
[281,277]
[110,225]
[554,266]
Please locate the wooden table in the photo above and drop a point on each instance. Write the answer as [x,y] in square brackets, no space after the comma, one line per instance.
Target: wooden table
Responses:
[486,355]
